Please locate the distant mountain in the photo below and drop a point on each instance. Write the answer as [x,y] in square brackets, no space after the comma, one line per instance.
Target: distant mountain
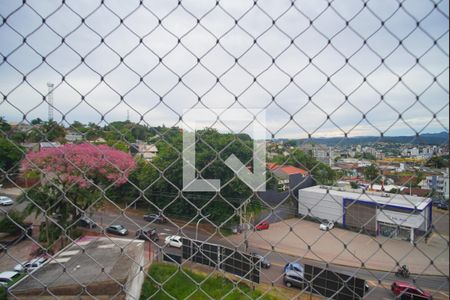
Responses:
[423,139]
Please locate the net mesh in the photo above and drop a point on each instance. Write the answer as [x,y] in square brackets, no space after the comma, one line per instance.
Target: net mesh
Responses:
[98,98]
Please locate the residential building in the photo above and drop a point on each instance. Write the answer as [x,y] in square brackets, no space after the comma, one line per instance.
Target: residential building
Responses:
[288,177]
[322,153]
[22,126]
[438,183]
[72,137]
[44,145]
[146,151]
[410,152]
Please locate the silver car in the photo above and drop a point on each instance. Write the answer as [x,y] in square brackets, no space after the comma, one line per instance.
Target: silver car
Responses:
[4,201]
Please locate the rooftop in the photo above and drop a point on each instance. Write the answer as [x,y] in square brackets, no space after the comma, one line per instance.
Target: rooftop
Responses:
[101,264]
[289,170]
[405,201]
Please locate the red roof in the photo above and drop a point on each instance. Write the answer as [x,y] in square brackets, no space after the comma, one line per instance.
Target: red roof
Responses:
[289,170]
[272,166]
[293,170]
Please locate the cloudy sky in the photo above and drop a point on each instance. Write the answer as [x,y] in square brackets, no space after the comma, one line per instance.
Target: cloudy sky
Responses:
[315,67]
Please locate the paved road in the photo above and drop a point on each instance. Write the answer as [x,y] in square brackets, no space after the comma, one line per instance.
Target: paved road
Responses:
[274,274]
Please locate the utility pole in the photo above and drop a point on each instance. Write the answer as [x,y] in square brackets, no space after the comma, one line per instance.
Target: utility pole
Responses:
[244,217]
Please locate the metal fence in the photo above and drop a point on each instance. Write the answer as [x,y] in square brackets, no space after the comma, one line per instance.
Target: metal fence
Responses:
[285,133]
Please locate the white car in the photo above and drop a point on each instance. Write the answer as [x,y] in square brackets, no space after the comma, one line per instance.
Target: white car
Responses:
[326,226]
[4,201]
[7,277]
[174,241]
[30,265]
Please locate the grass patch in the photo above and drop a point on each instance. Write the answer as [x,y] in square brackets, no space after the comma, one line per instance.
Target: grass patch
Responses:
[182,286]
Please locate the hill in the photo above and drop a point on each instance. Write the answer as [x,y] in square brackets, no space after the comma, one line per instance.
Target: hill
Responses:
[423,139]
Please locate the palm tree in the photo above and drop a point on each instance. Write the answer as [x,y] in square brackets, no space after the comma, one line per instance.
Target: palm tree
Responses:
[41,200]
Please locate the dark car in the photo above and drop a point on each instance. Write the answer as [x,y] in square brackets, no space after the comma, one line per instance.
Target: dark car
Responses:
[265,263]
[147,235]
[117,229]
[442,205]
[155,218]
[404,290]
[86,222]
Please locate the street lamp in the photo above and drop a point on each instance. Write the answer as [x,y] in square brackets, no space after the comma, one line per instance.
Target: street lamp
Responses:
[198,222]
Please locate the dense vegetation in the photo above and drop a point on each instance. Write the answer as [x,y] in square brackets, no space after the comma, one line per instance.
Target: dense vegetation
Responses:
[157,185]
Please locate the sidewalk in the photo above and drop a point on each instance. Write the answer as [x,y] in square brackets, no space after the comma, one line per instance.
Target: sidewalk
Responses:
[348,248]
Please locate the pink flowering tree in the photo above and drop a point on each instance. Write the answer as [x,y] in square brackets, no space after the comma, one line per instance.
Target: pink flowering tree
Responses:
[73,178]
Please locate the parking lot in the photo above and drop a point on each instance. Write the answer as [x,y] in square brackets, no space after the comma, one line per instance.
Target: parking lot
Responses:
[343,247]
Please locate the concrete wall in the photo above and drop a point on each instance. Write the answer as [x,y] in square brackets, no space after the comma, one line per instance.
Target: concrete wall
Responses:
[136,275]
[320,205]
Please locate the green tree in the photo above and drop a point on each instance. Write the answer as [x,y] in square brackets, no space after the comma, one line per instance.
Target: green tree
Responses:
[4,126]
[78,126]
[53,131]
[37,121]
[40,201]
[371,173]
[10,155]
[93,132]
[437,162]
[12,222]
[48,131]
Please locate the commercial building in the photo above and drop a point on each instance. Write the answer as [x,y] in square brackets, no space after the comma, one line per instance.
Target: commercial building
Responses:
[91,267]
[391,215]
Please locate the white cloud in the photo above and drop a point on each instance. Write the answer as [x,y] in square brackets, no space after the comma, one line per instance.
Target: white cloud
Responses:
[180,47]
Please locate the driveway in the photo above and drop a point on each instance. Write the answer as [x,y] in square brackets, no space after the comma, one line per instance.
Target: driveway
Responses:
[343,247]
[16,254]
[440,222]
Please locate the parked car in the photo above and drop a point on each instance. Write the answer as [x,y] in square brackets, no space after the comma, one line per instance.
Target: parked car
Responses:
[265,263]
[30,265]
[262,225]
[404,290]
[293,279]
[327,225]
[147,235]
[8,277]
[174,241]
[4,201]
[155,218]
[117,229]
[295,267]
[86,222]
[440,203]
